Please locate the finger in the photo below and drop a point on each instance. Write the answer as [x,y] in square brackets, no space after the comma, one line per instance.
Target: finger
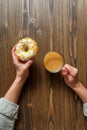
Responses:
[72,70]
[68,79]
[29,63]
[64,71]
[15,59]
[14,48]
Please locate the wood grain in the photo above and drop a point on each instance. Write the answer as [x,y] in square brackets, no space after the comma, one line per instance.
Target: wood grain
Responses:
[46,103]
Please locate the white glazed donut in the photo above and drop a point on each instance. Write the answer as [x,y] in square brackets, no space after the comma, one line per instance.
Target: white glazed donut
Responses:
[26,49]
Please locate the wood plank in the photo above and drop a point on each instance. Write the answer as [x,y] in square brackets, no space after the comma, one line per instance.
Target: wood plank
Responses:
[46,103]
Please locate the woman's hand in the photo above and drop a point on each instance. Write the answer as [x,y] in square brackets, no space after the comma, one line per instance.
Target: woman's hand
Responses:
[70,75]
[22,69]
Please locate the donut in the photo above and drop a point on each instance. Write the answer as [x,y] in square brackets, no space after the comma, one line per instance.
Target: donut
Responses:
[26,49]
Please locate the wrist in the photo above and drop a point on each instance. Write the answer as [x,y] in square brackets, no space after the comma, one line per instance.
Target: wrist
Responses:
[20,79]
[81,91]
[76,86]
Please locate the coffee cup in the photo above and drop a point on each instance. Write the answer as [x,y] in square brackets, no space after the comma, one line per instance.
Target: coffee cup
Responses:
[53,61]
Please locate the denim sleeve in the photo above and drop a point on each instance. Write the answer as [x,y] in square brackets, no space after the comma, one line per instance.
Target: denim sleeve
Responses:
[8,114]
[85,109]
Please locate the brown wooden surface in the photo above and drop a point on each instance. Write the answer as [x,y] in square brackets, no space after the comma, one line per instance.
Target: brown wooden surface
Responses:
[46,103]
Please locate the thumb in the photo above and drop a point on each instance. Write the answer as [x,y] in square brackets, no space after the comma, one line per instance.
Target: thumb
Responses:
[29,63]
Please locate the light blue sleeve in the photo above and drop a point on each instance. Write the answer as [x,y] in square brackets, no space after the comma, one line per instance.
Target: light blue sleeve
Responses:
[85,109]
[8,114]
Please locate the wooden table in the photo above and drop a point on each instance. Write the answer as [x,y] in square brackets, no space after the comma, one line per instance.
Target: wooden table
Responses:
[46,103]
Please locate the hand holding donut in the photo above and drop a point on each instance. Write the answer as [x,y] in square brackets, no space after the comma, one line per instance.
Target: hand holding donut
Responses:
[22,54]
[22,69]
[70,75]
